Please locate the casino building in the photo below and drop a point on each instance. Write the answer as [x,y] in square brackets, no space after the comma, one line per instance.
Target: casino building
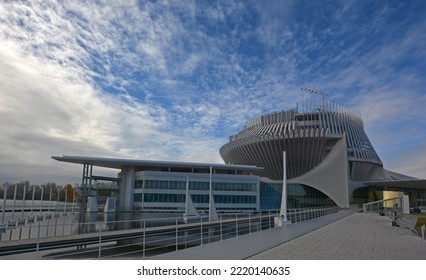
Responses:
[326,145]
[329,161]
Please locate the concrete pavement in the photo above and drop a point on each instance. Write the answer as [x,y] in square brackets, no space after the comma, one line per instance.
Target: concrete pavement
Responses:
[357,237]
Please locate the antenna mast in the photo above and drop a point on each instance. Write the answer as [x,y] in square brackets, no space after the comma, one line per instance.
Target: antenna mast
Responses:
[322,94]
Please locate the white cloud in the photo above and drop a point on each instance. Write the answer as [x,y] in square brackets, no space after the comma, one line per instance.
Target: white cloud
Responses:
[190,65]
[157,59]
[51,105]
[172,80]
[44,114]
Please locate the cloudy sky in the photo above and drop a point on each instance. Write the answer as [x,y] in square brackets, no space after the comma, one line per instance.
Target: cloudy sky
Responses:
[171,80]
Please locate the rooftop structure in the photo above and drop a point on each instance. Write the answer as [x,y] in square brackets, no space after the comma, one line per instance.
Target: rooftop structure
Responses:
[307,135]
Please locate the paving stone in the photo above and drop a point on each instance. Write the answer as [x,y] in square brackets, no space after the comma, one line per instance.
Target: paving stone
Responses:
[360,236]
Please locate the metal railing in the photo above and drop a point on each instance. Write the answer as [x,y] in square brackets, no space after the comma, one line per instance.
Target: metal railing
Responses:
[394,208]
[144,238]
[388,207]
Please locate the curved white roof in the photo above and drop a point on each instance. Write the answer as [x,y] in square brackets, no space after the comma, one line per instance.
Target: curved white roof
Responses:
[119,163]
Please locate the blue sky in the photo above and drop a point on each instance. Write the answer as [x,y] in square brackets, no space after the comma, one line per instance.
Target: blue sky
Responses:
[171,80]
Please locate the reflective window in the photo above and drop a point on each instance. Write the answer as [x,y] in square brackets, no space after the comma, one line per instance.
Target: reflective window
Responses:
[298,196]
[164,197]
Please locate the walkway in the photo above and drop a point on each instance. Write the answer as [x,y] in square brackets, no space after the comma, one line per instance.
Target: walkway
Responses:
[357,237]
[344,235]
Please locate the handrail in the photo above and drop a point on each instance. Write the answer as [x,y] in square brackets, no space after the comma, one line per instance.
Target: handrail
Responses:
[148,238]
[380,205]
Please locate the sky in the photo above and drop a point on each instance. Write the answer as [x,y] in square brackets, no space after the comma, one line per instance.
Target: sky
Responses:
[172,80]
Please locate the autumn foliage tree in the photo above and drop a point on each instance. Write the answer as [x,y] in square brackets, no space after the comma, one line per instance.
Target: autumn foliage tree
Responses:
[51,191]
[69,190]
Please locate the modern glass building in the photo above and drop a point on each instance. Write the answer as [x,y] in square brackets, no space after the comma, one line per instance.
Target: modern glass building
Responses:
[156,190]
[329,161]
[177,186]
[326,148]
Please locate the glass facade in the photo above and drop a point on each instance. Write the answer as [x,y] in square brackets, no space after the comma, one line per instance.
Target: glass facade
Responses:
[161,184]
[417,197]
[195,185]
[298,196]
[164,197]
[171,194]
[223,193]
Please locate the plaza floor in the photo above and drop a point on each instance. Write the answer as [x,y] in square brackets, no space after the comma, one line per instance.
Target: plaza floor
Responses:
[340,236]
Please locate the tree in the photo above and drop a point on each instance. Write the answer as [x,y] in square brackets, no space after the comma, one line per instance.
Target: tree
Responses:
[1,191]
[71,192]
[10,191]
[20,190]
[55,191]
